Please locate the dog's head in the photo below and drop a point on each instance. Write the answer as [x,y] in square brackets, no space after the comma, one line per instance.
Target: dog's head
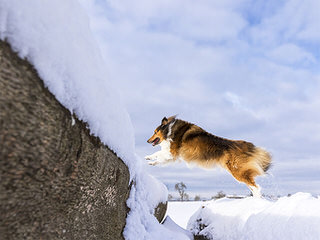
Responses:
[162,131]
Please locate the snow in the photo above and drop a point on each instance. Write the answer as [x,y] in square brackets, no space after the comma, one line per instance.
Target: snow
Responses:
[180,212]
[55,36]
[170,224]
[295,217]
[141,224]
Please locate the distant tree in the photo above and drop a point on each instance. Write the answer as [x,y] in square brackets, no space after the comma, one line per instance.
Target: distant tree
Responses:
[170,197]
[185,197]
[197,198]
[180,187]
[220,194]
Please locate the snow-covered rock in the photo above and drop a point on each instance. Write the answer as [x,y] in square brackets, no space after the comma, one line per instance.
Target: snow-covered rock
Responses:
[55,37]
[57,181]
[296,217]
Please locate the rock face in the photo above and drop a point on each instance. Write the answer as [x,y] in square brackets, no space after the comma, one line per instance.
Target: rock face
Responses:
[56,180]
[160,211]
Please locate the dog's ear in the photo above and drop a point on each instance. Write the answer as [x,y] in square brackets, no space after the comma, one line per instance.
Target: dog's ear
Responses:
[170,119]
[164,121]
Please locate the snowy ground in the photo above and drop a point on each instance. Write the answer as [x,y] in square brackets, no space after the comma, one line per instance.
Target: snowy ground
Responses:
[180,212]
[296,217]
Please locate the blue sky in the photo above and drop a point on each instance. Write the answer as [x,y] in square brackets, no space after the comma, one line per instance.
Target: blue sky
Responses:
[240,69]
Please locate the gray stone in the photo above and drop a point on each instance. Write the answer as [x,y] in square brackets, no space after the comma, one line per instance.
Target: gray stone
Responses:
[160,211]
[56,180]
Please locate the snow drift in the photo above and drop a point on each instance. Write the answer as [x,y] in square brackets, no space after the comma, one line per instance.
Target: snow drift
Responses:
[295,217]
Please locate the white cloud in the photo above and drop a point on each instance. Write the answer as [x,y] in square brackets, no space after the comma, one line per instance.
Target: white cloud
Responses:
[238,70]
[291,54]
[294,20]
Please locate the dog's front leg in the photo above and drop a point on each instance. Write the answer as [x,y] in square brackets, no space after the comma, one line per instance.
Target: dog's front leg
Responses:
[153,156]
[158,158]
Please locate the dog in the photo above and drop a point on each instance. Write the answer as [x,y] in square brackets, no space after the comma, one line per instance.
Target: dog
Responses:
[183,140]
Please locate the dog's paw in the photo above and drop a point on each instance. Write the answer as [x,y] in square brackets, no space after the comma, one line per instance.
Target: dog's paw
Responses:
[149,157]
[153,163]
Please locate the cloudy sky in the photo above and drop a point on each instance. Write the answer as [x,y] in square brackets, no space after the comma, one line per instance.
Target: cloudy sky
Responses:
[241,69]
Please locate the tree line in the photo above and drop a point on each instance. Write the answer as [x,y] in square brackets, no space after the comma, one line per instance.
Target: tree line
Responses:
[183,196]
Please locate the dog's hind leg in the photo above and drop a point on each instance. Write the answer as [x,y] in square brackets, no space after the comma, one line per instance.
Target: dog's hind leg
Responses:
[256,190]
[247,177]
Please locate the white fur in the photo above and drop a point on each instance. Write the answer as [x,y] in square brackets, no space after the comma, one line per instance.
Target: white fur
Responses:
[170,127]
[255,191]
[163,156]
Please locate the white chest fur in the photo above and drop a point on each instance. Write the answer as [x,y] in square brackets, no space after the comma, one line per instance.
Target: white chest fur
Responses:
[165,149]
[163,156]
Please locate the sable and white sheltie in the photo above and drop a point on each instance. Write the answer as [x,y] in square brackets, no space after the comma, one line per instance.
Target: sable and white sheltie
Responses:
[183,140]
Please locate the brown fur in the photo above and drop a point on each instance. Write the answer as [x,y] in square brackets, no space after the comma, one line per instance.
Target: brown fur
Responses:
[194,145]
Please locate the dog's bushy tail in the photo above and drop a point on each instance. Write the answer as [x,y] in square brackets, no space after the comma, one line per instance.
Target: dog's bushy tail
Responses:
[262,160]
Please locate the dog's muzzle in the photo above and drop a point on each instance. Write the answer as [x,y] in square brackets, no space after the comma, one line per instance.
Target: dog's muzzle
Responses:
[155,141]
